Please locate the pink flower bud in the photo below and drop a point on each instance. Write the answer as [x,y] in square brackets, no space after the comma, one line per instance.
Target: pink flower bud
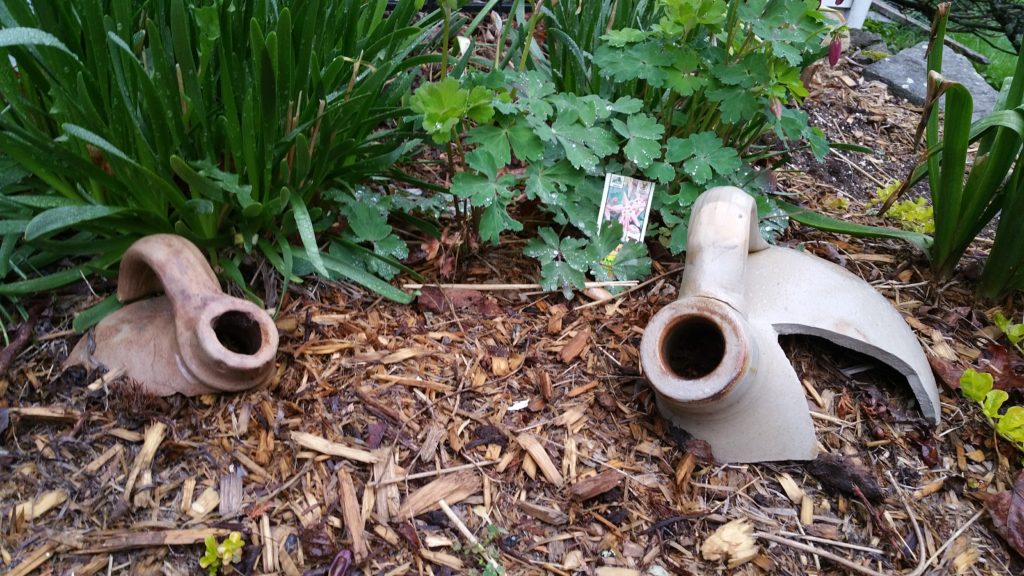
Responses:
[834,51]
[776,107]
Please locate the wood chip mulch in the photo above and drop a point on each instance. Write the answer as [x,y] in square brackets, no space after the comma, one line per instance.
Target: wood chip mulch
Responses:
[481,431]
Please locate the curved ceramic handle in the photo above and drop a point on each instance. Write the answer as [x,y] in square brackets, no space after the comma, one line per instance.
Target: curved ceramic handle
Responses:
[723,230]
[164,263]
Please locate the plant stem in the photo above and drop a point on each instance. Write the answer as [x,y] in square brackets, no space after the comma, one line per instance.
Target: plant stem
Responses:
[530,27]
[446,9]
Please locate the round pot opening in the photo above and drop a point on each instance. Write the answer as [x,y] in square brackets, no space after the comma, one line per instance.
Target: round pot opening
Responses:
[238,332]
[693,347]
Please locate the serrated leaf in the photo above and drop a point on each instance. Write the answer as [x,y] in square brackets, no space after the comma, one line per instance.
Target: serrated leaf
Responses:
[442,105]
[584,146]
[525,144]
[643,134]
[627,105]
[367,222]
[389,247]
[559,275]
[494,220]
[543,248]
[735,104]
[663,172]
[644,61]
[484,162]
[624,36]
[548,183]
[630,262]
[494,140]
[702,154]
[478,106]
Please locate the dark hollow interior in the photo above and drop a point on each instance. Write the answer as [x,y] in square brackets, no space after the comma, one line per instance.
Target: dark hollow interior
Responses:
[693,347]
[238,332]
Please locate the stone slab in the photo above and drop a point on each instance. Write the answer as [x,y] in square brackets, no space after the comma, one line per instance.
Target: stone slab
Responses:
[906,75]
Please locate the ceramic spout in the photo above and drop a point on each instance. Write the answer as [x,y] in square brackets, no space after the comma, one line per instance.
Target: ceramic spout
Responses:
[193,339]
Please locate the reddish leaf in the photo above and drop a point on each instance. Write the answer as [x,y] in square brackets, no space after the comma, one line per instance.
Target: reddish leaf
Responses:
[1007,511]
[947,371]
[1006,367]
[460,299]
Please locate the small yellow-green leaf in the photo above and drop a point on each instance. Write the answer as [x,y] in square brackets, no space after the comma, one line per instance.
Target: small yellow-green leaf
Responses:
[976,385]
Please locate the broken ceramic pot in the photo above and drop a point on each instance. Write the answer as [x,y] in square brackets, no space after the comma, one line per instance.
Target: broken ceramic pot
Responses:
[713,356]
[193,339]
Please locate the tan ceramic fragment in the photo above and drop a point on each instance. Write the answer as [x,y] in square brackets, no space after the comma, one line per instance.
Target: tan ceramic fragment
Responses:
[192,339]
[713,356]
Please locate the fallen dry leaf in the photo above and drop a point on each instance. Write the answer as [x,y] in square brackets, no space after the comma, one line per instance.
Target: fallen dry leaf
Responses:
[840,474]
[732,542]
[444,301]
[948,372]
[1006,368]
[1007,511]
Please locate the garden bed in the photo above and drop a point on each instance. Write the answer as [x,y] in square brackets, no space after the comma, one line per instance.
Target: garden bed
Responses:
[527,414]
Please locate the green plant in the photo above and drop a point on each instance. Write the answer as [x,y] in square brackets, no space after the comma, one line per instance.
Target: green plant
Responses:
[485,553]
[726,68]
[916,215]
[896,36]
[564,142]
[243,126]
[993,183]
[574,31]
[533,143]
[1014,332]
[1010,424]
[221,555]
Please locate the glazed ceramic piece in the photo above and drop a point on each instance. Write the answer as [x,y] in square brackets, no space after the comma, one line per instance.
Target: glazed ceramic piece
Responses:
[713,356]
[193,339]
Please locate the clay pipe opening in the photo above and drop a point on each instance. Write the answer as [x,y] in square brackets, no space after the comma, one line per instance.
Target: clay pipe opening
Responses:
[238,332]
[693,347]
[696,352]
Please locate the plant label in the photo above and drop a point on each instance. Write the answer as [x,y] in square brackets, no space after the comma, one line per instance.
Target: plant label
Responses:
[627,201]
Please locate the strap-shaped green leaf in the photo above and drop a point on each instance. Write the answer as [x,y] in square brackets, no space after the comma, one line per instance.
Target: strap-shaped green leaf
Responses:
[56,219]
[829,224]
[307,234]
[10,37]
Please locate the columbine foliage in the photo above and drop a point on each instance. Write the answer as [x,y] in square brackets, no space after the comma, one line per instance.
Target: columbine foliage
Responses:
[239,125]
[708,66]
[564,141]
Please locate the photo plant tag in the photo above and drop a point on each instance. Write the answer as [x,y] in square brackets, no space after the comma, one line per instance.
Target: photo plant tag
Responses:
[627,201]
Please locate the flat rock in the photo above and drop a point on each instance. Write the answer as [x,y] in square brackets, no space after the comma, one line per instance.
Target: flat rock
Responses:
[863,38]
[906,75]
